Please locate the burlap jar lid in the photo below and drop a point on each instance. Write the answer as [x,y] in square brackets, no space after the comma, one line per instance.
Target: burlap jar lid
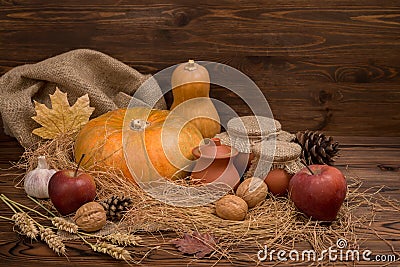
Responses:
[253,126]
[280,136]
[280,154]
[284,151]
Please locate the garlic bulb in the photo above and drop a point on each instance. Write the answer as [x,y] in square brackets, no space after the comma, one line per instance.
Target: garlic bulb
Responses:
[36,181]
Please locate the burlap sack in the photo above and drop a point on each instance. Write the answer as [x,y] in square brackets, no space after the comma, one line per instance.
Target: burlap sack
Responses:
[108,82]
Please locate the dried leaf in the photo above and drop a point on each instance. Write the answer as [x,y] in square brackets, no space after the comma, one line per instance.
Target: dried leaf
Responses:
[198,244]
[61,118]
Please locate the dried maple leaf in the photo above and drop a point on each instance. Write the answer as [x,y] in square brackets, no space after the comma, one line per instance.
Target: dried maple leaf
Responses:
[61,118]
[198,244]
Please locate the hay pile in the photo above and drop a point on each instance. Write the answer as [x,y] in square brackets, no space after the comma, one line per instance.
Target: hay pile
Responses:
[276,223]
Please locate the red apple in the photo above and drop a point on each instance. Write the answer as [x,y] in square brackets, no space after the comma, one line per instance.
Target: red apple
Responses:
[319,194]
[70,189]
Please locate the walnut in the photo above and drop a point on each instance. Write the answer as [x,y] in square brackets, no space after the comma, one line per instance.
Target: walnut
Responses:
[231,207]
[90,217]
[253,191]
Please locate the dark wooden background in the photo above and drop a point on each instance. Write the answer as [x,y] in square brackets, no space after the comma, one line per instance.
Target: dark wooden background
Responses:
[322,65]
[326,65]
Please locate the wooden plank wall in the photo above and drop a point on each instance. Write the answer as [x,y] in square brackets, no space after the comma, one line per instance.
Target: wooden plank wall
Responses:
[323,65]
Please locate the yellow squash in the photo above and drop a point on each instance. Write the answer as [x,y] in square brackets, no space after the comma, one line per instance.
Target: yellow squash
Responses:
[190,88]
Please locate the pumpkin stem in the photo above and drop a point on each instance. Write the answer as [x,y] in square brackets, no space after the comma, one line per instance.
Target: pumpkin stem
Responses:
[139,125]
[190,66]
[79,164]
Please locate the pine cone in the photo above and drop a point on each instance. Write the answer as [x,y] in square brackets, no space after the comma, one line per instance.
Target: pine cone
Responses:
[317,148]
[116,206]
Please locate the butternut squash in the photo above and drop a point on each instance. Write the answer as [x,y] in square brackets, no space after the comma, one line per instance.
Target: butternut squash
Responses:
[191,88]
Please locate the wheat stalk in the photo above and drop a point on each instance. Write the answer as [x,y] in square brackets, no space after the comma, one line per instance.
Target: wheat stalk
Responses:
[54,241]
[65,225]
[26,224]
[112,250]
[123,239]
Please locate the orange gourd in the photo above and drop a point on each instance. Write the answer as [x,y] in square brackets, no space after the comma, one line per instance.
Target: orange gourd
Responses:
[190,88]
[154,143]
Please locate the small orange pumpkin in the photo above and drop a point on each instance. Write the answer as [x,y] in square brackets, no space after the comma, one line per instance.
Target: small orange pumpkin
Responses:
[148,143]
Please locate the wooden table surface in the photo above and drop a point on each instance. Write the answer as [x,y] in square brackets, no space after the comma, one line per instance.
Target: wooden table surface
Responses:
[360,156]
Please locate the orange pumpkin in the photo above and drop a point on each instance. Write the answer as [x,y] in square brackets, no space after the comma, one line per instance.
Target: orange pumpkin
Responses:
[149,143]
